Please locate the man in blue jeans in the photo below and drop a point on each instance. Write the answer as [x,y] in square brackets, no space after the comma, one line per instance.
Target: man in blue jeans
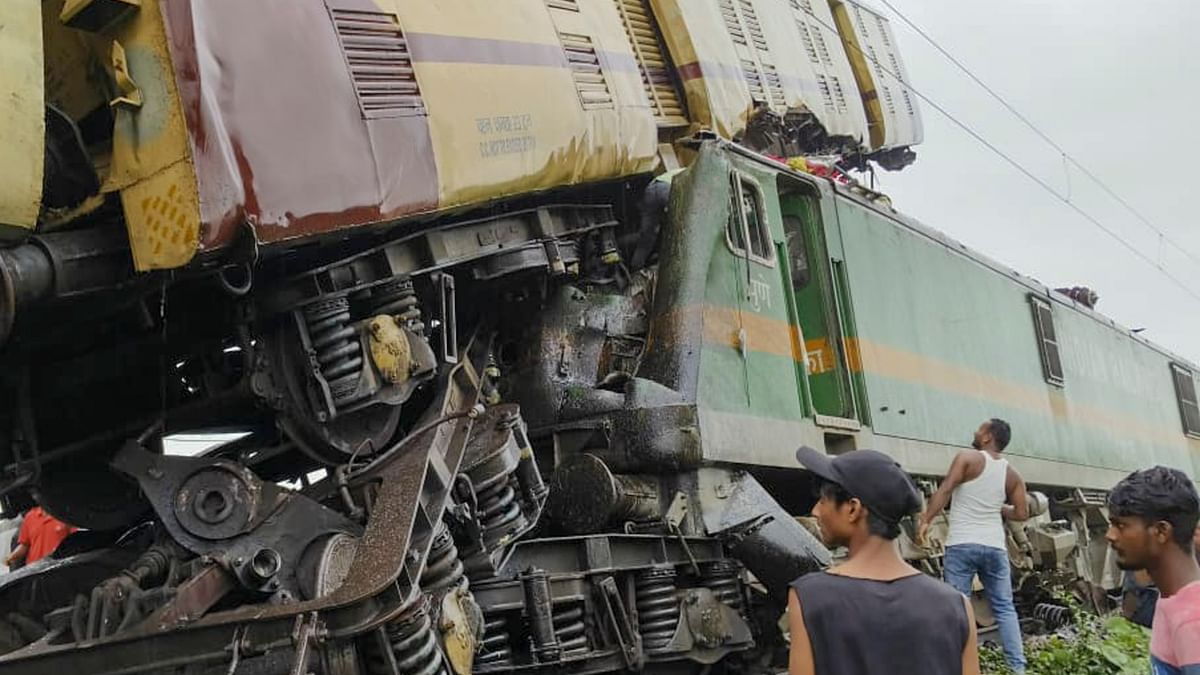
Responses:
[983,490]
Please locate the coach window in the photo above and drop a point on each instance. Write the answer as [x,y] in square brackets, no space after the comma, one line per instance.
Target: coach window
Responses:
[1043,324]
[748,222]
[1185,392]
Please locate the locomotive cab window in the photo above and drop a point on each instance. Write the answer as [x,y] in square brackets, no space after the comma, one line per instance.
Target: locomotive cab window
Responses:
[735,229]
[748,222]
[1043,324]
[793,232]
[1185,392]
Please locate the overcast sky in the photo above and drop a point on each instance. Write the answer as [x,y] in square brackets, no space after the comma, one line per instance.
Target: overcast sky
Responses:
[1115,84]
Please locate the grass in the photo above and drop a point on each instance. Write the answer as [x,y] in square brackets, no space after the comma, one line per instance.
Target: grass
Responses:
[1092,645]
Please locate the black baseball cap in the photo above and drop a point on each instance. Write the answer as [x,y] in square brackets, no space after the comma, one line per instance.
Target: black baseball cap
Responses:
[876,479]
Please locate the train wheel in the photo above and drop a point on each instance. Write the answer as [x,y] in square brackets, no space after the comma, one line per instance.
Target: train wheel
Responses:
[359,433]
[85,492]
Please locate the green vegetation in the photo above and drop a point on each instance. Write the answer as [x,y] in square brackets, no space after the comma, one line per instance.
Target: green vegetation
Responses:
[1093,645]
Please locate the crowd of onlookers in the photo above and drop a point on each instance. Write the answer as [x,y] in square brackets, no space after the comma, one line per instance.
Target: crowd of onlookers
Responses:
[875,613]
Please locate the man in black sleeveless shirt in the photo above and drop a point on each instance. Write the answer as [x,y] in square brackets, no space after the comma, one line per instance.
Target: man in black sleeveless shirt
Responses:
[874,613]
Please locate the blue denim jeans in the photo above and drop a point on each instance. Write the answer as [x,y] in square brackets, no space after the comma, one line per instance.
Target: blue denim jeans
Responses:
[962,563]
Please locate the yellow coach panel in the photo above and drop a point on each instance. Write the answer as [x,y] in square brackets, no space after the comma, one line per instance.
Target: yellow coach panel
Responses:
[527,96]
[22,115]
[892,111]
[815,72]
[718,97]
[734,55]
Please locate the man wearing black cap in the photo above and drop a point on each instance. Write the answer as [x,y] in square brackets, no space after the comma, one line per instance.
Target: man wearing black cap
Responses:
[874,613]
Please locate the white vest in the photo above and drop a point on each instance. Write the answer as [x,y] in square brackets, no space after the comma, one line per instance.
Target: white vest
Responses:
[975,507]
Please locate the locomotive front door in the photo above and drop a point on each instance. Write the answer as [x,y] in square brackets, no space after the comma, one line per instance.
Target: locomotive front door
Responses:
[809,274]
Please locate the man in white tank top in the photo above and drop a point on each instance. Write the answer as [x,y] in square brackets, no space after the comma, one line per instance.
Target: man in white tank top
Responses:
[983,491]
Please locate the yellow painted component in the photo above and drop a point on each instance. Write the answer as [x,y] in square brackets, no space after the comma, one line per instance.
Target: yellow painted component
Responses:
[22,114]
[128,94]
[390,351]
[163,213]
[76,82]
[151,157]
[855,51]
[531,122]
[457,637]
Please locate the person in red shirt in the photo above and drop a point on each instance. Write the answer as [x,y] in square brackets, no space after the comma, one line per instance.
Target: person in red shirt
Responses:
[40,534]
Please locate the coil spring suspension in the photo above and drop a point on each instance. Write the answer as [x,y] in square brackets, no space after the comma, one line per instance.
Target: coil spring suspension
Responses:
[570,629]
[397,298]
[443,567]
[499,512]
[413,643]
[1052,616]
[495,649]
[657,607]
[723,577]
[338,352]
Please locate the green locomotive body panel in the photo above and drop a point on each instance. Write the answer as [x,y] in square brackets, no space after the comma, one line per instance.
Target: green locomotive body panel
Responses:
[947,339]
[891,335]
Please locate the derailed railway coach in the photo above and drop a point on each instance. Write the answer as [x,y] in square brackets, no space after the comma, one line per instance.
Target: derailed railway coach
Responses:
[516,313]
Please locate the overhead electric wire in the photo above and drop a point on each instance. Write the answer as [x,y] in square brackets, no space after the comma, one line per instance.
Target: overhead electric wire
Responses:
[1014,163]
[1043,135]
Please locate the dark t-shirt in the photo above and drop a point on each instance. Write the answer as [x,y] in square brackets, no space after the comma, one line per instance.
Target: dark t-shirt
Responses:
[1145,598]
[915,624]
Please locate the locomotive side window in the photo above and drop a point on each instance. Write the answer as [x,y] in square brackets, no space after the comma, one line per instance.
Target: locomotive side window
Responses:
[1185,392]
[748,223]
[735,229]
[756,223]
[797,251]
[1043,324]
